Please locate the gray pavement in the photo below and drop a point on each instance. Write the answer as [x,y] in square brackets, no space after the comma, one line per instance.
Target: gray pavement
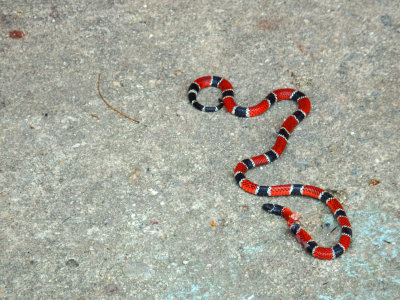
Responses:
[95,206]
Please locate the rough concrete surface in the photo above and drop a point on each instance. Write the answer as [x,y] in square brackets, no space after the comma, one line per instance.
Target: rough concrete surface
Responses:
[95,206]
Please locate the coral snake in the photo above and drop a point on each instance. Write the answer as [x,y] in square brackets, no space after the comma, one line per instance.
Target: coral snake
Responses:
[286,129]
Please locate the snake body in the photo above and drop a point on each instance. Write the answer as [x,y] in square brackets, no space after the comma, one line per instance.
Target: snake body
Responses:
[304,107]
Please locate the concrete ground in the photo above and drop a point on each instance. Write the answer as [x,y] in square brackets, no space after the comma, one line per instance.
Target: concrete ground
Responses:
[95,206]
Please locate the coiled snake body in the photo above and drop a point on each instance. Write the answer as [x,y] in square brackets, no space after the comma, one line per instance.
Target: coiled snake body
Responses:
[286,129]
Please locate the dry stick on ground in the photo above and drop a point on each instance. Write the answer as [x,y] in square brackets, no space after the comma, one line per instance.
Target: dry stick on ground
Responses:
[104,100]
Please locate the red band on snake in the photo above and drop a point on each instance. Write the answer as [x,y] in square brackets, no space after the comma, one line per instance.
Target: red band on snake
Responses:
[284,133]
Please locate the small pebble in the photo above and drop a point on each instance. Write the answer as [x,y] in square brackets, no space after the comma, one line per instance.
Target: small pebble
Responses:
[72,263]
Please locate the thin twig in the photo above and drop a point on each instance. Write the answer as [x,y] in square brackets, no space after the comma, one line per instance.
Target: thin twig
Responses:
[104,100]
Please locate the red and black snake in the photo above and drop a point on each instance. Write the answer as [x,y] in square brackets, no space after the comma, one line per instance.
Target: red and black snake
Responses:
[287,127]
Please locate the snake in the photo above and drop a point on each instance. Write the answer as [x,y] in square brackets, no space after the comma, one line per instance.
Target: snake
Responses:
[292,218]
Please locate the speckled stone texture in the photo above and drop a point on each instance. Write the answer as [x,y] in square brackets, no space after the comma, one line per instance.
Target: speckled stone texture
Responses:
[93,205]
